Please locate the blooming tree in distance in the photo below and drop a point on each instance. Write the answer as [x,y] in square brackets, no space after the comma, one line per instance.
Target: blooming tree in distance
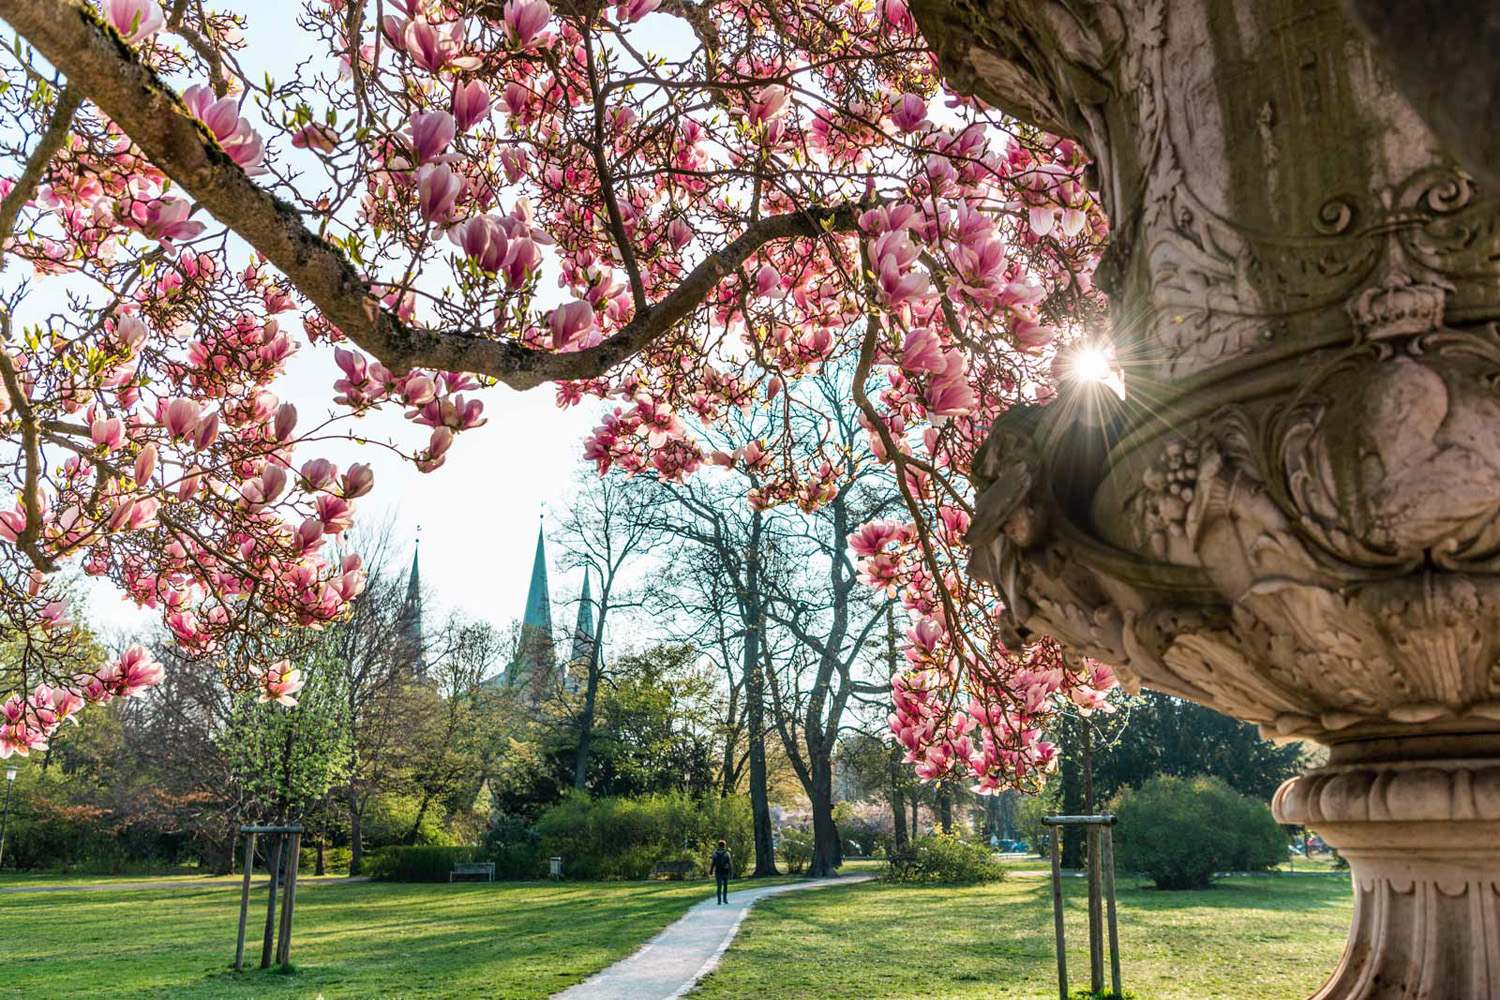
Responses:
[677,206]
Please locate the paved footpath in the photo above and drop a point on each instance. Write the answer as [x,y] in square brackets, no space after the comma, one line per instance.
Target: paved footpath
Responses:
[302,882]
[672,963]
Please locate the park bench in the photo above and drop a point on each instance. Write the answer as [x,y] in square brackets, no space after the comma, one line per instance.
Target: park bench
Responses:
[674,869]
[485,868]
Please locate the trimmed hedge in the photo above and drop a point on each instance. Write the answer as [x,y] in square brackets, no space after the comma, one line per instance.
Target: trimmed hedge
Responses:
[942,859]
[420,863]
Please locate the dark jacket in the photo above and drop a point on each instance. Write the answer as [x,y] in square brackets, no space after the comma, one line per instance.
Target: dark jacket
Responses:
[722,863]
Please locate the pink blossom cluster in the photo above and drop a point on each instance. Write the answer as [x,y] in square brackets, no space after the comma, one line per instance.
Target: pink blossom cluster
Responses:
[26,724]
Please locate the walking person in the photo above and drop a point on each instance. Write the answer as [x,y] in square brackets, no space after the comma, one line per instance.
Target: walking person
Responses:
[723,866]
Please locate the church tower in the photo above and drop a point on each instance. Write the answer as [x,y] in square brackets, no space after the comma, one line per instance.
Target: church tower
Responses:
[409,623]
[536,660]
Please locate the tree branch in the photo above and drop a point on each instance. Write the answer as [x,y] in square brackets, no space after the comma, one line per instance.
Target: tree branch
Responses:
[104,68]
[36,164]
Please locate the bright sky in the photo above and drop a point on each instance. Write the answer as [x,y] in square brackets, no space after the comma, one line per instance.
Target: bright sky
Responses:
[479,512]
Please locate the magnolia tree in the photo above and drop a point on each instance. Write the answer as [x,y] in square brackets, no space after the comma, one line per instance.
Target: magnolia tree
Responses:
[675,206]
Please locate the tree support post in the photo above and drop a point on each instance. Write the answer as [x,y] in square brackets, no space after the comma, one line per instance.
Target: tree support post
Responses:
[239,945]
[1101,884]
[289,903]
[285,850]
[274,865]
[1107,862]
[1096,915]
[1057,914]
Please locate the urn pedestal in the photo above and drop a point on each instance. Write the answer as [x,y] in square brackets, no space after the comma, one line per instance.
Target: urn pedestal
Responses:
[1294,517]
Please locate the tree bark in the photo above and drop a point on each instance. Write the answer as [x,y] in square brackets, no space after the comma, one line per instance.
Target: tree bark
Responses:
[356,835]
[898,801]
[1072,796]
[586,722]
[826,848]
[760,805]
[945,808]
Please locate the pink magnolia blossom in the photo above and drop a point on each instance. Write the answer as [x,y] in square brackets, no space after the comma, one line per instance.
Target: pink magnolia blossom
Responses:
[145,465]
[235,134]
[430,135]
[910,113]
[132,673]
[633,10]
[180,417]
[108,433]
[165,220]
[437,189]
[437,47]
[470,105]
[570,323]
[280,683]
[525,19]
[135,20]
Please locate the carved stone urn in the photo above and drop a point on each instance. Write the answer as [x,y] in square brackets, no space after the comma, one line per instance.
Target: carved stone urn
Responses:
[1294,518]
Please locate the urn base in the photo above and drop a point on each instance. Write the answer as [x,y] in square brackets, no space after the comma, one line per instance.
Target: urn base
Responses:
[1419,822]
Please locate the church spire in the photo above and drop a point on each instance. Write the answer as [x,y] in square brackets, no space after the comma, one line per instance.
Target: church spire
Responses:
[535,662]
[538,603]
[409,626]
[583,632]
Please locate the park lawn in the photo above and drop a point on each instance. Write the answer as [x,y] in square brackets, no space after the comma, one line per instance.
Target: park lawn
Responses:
[1266,937]
[353,941]
[47,880]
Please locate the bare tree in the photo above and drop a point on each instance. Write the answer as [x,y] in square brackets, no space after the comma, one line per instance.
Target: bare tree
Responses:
[828,618]
[730,542]
[372,652]
[602,530]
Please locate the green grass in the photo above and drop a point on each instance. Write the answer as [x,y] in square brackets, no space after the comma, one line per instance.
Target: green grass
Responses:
[1257,938]
[361,941]
[39,880]
[1254,938]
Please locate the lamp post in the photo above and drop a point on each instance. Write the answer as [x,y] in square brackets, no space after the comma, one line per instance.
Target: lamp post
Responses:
[10,780]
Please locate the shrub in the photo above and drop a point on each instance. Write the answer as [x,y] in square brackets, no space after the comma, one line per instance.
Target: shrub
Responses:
[1180,831]
[335,859]
[866,829]
[420,863]
[796,850]
[515,848]
[942,859]
[620,838]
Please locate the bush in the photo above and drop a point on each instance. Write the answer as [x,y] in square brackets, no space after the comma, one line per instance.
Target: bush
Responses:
[796,850]
[421,863]
[335,860]
[942,859]
[516,849]
[620,838]
[1181,831]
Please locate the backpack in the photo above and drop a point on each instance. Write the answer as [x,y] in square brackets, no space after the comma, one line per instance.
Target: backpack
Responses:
[721,862]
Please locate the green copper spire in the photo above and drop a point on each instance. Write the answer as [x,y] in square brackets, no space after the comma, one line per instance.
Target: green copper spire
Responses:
[535,662]
[409,625]
[538,603]
[583,632]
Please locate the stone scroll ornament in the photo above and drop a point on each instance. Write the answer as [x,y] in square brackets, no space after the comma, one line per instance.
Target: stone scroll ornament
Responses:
[1294,518]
